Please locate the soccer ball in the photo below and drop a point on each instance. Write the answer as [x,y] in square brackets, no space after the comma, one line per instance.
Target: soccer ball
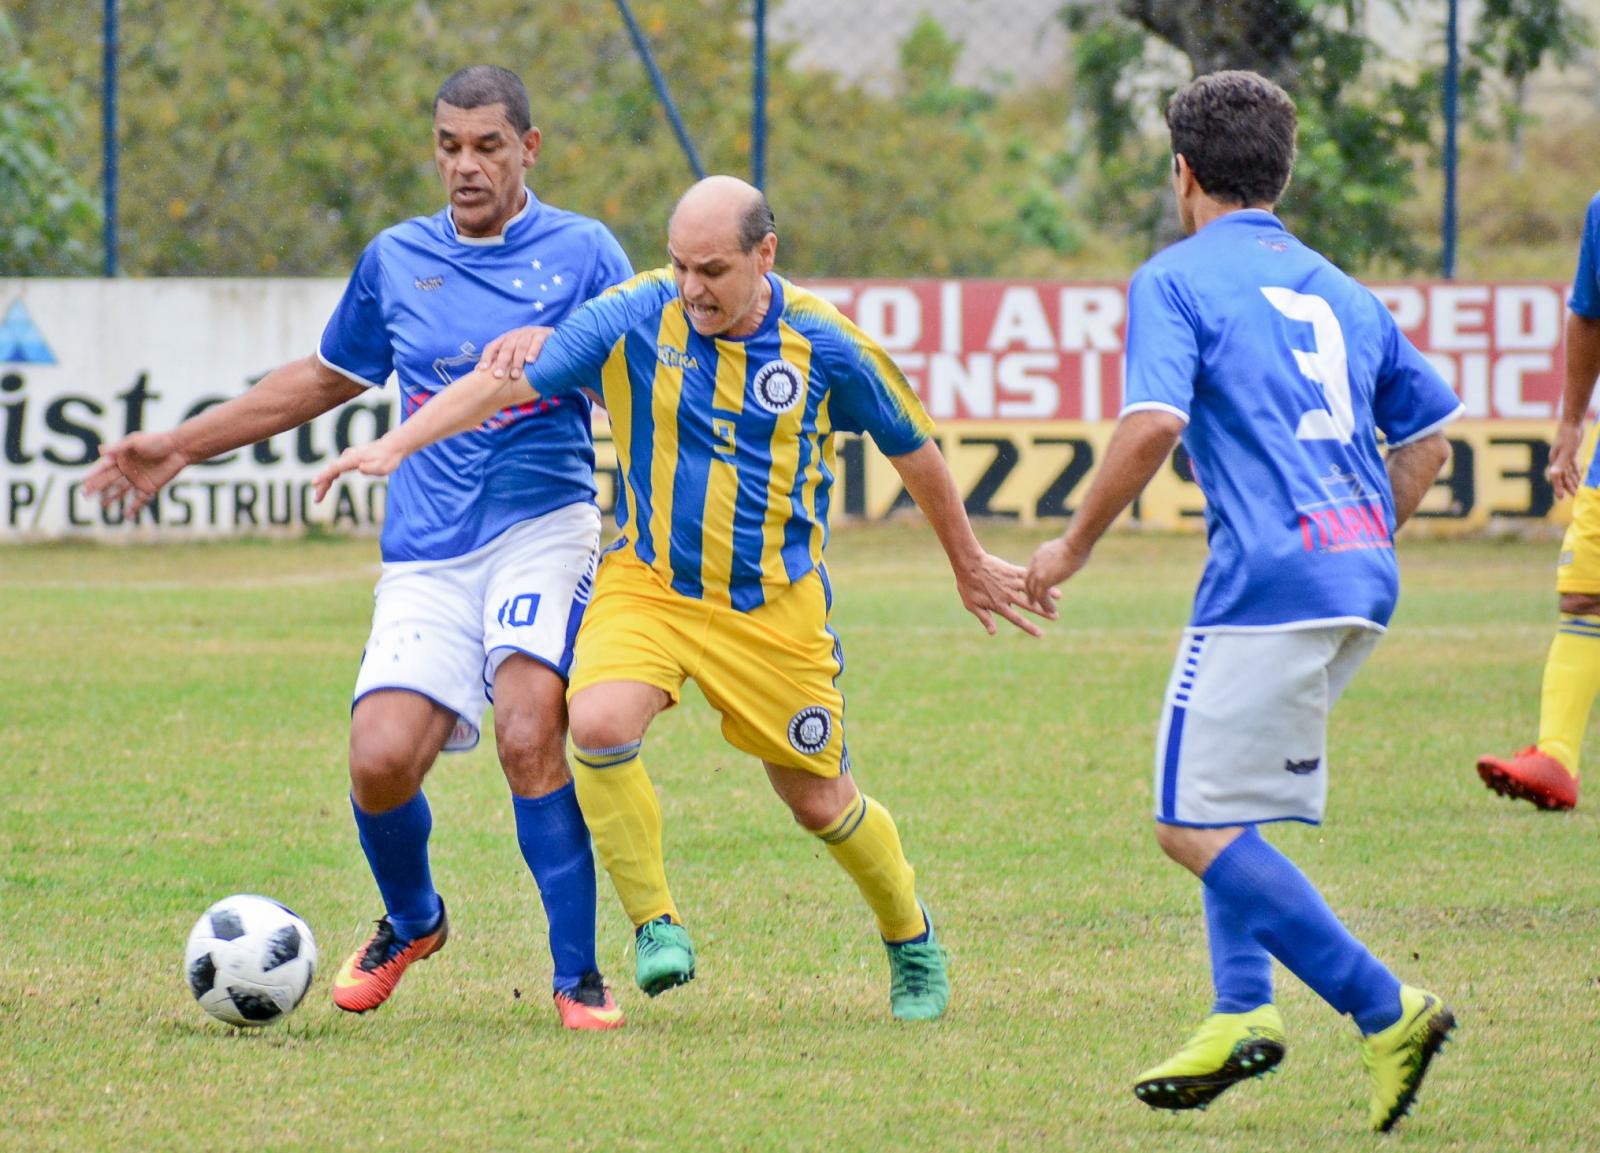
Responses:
[250,960]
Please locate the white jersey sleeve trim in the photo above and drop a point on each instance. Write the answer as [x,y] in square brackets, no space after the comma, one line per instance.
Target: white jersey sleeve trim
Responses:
[1431,429]
[1153,406]
[346,373]
[1292,626]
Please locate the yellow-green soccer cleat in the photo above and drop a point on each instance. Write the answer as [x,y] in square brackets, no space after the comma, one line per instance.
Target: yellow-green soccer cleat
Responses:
[1226,1049]
[918,986]
[663,956]
[1398,1057]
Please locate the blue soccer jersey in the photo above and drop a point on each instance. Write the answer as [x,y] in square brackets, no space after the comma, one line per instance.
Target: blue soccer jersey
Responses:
[422,304]
[1284,370]
[1585,298]
[726,443]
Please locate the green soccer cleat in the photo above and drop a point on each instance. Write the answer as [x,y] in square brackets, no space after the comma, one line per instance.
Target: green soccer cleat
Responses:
[664,956]
[918,987]
[1226,1049]
[1398,1057]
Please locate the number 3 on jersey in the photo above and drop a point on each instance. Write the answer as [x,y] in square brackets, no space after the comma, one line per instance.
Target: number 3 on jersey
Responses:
[1326,363]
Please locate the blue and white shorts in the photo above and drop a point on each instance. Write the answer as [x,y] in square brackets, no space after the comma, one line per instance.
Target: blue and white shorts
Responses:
[442,628]
[1244,730]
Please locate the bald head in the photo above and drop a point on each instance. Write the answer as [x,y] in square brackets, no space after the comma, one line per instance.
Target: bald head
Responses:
[722,243]
[726,207]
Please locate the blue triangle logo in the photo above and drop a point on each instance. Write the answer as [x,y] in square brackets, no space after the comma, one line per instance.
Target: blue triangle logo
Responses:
[21,342]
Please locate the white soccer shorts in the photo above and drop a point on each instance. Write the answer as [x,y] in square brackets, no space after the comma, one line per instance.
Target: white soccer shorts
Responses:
[1244,730]
[442,628]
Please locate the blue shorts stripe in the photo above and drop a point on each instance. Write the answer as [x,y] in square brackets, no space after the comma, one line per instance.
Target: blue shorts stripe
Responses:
[1169,770]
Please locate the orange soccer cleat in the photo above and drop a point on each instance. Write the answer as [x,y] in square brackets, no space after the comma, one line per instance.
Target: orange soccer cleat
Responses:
[589,1005]
[370,974]
[1531,776]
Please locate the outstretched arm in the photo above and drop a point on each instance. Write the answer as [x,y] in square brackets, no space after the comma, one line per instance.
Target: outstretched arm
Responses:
[136,467]
[987,584]
[465,403]
[1141,443]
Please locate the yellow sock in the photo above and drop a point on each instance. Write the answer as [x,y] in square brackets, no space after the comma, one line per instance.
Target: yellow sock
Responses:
[867,845]
[1571,680]
[619,805]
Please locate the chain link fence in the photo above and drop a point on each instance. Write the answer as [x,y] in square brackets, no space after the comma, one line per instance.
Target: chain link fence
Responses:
[937,138]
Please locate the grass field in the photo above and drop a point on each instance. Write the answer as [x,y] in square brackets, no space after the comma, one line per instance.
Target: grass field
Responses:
[172,729]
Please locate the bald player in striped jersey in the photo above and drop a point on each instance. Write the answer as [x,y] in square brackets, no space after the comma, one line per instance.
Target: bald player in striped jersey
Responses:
[725,384]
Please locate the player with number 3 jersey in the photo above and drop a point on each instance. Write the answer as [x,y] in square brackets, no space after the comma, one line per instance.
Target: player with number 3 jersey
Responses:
[1279,373]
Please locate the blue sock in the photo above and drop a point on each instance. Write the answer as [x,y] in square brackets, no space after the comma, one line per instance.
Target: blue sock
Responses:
[396,844]
[1241,970]
[555,843]
[1284,912]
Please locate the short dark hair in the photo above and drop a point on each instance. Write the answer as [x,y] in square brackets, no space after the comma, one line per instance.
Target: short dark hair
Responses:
[756,222]
[1236,130]
[479,84]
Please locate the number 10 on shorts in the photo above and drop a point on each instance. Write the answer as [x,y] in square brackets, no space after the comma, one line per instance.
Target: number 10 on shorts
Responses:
[519,611]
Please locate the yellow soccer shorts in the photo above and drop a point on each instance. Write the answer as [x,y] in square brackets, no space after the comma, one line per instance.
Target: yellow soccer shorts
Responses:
[770,671]
[1578,570]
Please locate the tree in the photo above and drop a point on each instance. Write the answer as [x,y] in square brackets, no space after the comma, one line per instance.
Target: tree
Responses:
[1361,125]
[1512,40]
[50,217]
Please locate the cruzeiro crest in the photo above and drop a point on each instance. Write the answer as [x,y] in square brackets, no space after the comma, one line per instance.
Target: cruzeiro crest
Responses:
[778,386]
[810,728]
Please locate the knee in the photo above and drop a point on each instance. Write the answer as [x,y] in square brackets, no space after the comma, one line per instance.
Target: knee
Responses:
[1175,841]
[814,809]
[384,772]
[532,750]
[596,727]
[1580,605]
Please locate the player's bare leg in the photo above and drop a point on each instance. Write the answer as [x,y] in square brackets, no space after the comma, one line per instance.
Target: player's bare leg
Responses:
[530,731]
[861,836]
[619,803]
[395,736]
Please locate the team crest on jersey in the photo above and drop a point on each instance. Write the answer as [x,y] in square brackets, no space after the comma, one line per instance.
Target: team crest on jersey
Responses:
[778,387]
[810,728]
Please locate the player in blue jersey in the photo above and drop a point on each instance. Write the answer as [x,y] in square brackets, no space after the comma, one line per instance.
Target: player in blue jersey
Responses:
[724,384]
[1277,371]
[1546,773]
[489,539]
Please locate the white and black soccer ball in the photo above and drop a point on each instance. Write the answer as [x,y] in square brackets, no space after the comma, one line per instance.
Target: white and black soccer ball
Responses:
[250,960]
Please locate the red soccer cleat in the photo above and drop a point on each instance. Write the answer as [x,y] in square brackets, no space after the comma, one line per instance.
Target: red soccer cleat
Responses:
[1531,776]
[370,974]
[589,1006]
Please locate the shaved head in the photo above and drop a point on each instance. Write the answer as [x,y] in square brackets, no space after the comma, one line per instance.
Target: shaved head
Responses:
[725,202]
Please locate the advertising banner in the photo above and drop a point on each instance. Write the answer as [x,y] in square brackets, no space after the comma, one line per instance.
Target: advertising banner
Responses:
[1024,379]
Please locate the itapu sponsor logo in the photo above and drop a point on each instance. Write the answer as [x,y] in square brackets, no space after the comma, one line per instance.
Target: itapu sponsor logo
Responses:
[809,729]
[428,283]
[778,386]
[1341,526]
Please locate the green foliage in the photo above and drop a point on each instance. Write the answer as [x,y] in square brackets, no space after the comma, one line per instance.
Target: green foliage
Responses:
[48,217]
[1362,125]
[278,138]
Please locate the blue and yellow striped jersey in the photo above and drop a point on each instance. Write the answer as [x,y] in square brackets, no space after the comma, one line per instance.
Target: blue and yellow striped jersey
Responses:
[725,444]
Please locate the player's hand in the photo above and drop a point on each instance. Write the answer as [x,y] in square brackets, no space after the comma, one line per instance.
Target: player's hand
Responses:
[506,354]
[133,470]
[1053,562]
[1563,472]
[994,587]
[375,459]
